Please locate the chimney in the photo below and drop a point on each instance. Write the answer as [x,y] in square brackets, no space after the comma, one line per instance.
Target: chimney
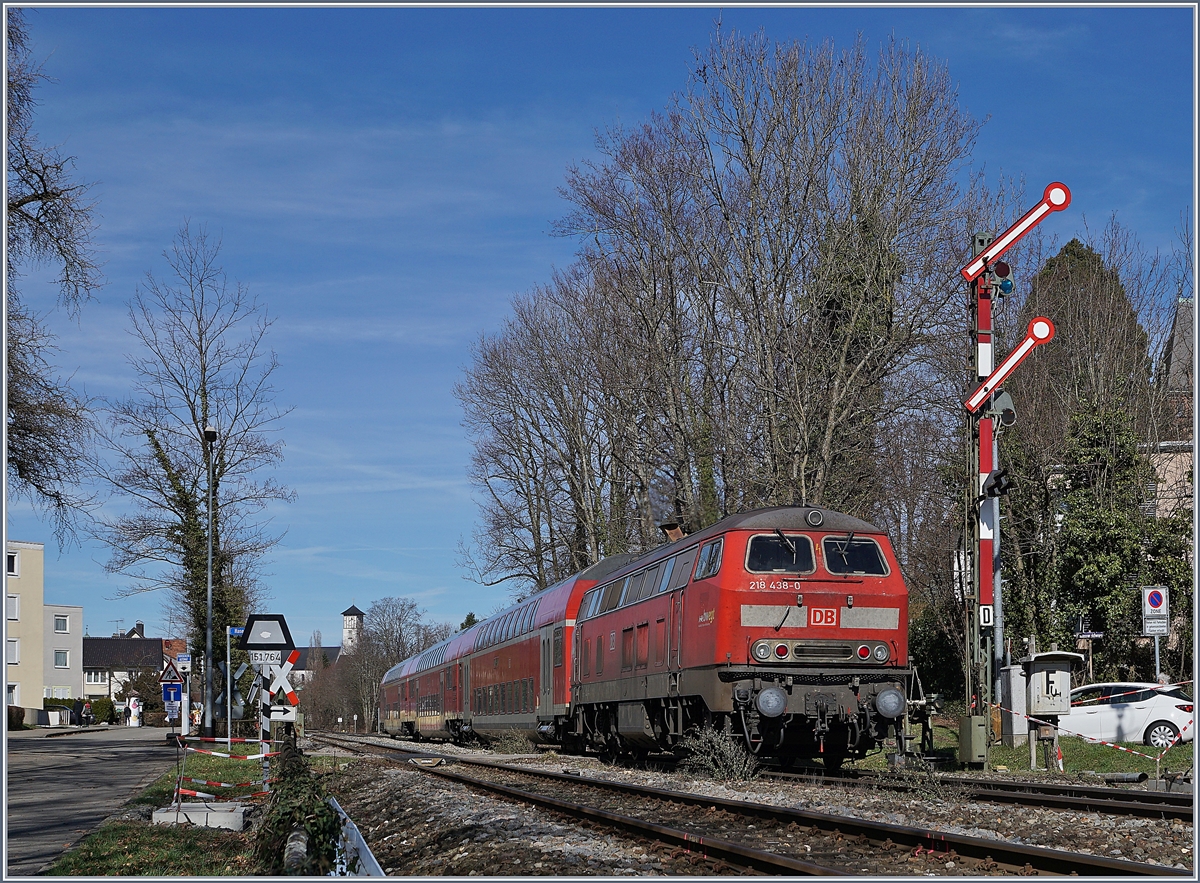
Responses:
[672,529]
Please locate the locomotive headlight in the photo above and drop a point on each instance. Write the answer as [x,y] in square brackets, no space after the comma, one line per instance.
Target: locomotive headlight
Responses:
[890,702]
[761,651]
[881,653]
[771,702]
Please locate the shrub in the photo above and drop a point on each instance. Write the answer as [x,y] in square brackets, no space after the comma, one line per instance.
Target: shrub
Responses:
[105,710]
[711,753]
[511,742]
[16,717]
[297,801]
[154,719]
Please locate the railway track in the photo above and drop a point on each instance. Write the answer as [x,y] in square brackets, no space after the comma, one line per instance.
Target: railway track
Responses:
[1067,796]
[760,837]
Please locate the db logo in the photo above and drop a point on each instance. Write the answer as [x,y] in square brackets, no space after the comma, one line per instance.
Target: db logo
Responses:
[822,616]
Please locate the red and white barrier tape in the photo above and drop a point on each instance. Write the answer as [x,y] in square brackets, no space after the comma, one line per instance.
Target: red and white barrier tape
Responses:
[217,739]
[259,756]
[188,792]
[1091,739]
[220,784]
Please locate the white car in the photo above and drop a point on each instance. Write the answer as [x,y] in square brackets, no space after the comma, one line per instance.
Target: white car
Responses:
[1130,712]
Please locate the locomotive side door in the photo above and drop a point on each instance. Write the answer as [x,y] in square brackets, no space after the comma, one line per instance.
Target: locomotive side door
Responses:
[675,652]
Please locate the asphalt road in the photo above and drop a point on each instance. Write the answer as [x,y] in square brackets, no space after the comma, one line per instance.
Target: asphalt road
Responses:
[63,783]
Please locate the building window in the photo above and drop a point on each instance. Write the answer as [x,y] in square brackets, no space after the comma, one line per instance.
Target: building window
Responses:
[61,624]
[14,651]
[94,676]
[11,561]
[13,607]
[14,694]
[62,693]
[60,659]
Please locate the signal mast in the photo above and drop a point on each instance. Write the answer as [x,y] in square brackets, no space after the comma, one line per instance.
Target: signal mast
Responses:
[988,409]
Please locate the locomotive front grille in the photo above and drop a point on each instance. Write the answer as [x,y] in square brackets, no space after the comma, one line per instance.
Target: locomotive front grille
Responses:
[828,651]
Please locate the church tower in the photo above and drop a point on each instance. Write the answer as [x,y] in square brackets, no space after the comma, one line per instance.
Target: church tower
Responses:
[352,625]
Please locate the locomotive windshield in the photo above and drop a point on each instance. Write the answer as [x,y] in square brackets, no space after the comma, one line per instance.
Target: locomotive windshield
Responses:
[777,553]
[851,554]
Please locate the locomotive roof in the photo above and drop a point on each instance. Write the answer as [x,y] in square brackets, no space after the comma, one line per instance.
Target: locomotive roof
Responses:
[781,517]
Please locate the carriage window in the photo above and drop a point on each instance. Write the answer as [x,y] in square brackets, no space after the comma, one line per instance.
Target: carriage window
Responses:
[628,591]
[683,567]
[851,554]
[651,582]
[710,560]
[612,594]
[558,648]
[634,591]
[668,568]
[770,553]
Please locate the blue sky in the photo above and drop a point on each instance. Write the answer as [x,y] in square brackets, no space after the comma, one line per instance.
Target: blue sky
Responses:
[385,180]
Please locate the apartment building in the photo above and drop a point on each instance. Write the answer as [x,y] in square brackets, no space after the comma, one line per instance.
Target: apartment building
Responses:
[62,659]
[24,623]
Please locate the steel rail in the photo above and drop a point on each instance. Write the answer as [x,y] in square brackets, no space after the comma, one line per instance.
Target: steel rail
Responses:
[711,847]
[1012,855]
[1084,798]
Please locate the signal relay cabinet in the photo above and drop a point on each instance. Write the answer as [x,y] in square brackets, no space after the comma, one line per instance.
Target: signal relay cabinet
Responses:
[1048,680]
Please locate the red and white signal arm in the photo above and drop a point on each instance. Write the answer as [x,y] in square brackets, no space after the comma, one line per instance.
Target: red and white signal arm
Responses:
[1040,331]
[1055,198]
[1154,601]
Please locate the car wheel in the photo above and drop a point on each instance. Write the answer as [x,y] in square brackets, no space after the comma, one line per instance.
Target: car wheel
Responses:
[1160,734]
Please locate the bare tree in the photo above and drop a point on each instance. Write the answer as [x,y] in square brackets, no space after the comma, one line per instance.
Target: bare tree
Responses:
[49,221]
[202,361]
[767,276]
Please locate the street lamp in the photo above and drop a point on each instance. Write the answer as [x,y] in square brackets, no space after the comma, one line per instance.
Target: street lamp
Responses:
[210,436]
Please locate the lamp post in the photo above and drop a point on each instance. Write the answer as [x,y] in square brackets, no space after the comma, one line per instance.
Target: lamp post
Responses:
[210,436]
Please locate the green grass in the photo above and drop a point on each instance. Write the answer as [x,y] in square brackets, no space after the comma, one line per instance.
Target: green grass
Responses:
[1079,755]
[135,849]
[139,848]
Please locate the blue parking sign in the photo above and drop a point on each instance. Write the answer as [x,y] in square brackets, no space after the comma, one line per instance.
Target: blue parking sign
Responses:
[172,692]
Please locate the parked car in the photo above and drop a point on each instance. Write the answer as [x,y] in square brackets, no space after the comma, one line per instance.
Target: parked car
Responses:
[1130,712]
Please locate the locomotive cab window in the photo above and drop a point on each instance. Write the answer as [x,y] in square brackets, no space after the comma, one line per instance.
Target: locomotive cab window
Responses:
[851,554]
[780,553]
[710,560]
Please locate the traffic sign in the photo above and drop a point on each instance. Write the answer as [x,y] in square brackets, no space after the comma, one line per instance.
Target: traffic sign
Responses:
[267,631]
[170,674]
[266,657]
[183,663]
[1154,601]
[1040,331]
[172,692]
[1055,198]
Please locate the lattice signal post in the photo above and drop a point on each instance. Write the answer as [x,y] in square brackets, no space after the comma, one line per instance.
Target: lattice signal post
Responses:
[988,276]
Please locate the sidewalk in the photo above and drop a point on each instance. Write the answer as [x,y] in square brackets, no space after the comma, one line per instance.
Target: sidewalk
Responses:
[91,771]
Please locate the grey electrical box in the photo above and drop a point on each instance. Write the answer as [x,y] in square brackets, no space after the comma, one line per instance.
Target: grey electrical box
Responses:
[972,739]
[1048,682]
[1013,726]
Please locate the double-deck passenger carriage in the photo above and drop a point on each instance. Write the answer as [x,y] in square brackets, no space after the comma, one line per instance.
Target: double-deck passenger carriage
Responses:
[785,628]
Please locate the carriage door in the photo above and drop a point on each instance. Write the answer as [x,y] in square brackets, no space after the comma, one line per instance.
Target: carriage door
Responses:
[464,684]
[545,694]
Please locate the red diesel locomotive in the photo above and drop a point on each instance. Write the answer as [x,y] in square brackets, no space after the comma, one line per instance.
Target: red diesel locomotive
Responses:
[786,628]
